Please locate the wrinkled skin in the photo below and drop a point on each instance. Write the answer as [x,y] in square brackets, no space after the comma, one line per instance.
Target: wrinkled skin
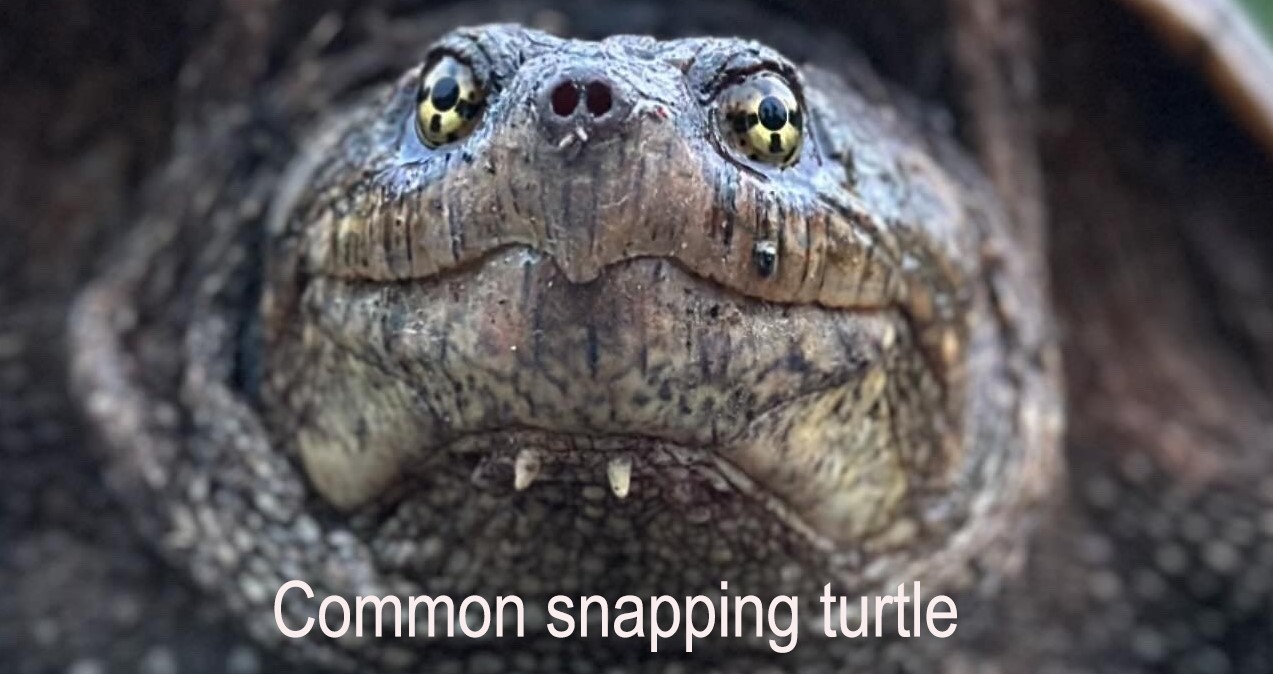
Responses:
[261,361]
[610,290]
[855,411]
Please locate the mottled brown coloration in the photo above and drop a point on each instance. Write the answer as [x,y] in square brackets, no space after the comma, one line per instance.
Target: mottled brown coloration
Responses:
[505,281]
[428,314]
[637,362]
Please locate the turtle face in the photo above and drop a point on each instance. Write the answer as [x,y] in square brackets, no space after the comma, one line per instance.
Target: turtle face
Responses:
[679,272]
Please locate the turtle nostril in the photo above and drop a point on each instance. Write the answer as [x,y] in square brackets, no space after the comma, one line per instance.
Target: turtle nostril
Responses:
[582,103]
[565,99]
[598,99]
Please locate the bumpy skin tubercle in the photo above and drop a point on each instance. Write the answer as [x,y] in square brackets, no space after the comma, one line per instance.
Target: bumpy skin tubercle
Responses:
[446,364]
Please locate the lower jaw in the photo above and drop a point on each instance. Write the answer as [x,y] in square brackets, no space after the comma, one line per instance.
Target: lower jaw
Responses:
[518,460]
[828,479]
[688,521]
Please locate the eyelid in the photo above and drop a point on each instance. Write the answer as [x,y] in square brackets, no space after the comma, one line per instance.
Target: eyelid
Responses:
[438,53]
[734,74]
[465,49]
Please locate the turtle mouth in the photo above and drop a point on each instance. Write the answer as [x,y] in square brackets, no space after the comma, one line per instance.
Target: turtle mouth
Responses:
[536,377]
[519,459]
[522,459]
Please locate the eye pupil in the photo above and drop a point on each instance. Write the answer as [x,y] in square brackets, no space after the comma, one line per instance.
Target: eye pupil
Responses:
[446,93]
[773,114]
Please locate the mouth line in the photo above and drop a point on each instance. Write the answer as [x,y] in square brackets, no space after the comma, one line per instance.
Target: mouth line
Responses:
[463,268]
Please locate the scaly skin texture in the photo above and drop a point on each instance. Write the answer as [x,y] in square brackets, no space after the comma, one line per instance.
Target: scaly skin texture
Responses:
[861,410]
[278,389]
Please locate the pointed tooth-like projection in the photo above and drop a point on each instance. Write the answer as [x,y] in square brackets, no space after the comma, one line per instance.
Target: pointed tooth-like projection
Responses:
[525,468]
[619,470]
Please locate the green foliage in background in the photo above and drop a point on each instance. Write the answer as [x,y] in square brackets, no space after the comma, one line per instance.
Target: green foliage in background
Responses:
[1263,11]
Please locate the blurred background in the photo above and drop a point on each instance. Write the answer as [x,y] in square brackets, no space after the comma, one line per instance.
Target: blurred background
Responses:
[1263,11]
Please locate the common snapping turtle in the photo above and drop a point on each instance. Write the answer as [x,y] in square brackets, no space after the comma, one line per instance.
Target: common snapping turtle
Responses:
[589,304]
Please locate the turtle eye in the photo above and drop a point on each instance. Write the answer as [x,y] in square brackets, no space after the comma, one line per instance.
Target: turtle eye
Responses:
[449,103]
[763,118]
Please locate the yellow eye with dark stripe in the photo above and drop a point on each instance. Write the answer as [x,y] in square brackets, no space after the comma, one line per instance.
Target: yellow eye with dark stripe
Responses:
[763,119]
[449,103]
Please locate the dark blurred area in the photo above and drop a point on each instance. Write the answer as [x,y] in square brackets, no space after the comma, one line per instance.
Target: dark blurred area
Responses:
[87,90]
